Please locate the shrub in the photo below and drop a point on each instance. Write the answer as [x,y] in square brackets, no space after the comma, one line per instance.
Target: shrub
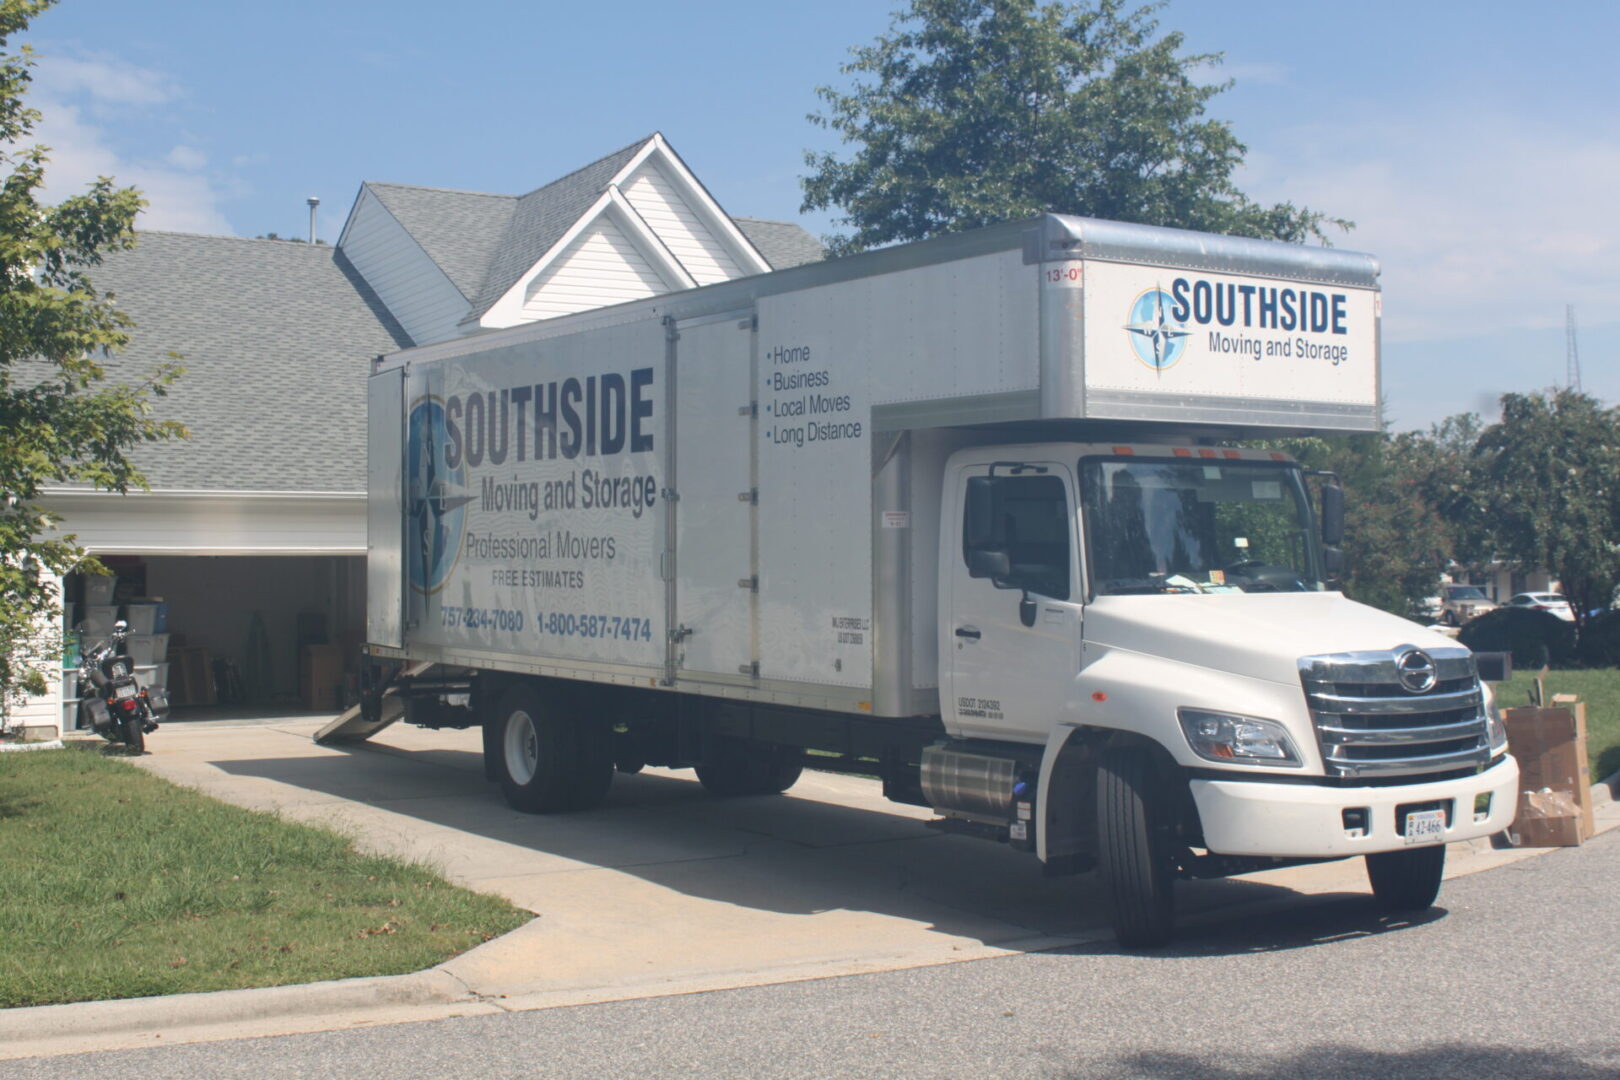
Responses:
[1537,639]
[1600,641]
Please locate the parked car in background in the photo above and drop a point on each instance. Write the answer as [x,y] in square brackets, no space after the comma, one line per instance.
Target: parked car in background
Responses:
[1544,601]
[1459,603]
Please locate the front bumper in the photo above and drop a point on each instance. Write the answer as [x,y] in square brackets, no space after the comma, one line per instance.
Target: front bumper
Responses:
[1245,817]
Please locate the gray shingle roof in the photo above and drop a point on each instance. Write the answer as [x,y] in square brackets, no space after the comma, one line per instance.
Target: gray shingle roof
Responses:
[276,339]
[459,230]
[783,243]
[541,218]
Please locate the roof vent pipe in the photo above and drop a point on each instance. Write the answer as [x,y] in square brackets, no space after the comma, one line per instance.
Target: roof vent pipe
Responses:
[313,203]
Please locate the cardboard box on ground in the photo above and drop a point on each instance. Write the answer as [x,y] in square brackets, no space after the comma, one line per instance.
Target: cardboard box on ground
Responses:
[1555,782]
[320,681]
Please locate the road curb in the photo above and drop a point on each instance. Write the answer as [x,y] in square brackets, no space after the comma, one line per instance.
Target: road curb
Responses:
[40,1024]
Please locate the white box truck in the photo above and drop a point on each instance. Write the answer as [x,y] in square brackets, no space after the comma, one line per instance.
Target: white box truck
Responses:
[965,515]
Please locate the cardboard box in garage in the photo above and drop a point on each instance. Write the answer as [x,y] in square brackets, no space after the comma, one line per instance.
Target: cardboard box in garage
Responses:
[320,677]
[1550,745]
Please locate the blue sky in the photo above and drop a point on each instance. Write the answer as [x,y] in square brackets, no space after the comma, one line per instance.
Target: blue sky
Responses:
[1476,144]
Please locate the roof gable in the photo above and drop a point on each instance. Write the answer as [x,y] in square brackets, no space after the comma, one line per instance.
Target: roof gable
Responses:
[683,215]
[461,231]
[542,218]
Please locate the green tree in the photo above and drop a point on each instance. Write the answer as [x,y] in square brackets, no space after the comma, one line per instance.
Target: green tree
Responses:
[1395,540]
[62,421]
[971,112]
[1546,478]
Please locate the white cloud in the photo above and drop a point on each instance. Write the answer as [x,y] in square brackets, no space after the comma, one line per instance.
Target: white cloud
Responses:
[102,78]
[74,94]
[1479,225]
[187,157]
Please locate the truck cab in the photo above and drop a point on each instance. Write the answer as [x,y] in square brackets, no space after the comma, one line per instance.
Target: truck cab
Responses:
[1165,619]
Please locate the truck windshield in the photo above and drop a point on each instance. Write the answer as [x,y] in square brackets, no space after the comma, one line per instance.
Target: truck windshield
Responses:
[1176,526]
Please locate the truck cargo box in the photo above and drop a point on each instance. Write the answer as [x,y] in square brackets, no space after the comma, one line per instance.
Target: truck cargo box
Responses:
[734,490]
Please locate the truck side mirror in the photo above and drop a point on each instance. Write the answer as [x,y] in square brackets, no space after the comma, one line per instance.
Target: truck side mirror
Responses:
[979,515]
[1332,515]
[988,563]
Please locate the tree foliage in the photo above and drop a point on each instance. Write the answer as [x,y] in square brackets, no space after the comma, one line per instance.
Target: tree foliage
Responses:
[62,421]
[1395,540]
[1546,479]
[971,112]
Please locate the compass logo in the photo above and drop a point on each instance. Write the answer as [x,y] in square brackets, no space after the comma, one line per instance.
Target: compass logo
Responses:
[437,509]
[1158,338]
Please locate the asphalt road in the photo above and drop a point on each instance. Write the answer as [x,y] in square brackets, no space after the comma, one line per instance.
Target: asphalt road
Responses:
[1516,976]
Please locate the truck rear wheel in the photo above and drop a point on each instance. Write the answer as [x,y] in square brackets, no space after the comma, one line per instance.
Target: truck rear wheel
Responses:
[1407,880]
[735,768]
[550,760]
[1135,848]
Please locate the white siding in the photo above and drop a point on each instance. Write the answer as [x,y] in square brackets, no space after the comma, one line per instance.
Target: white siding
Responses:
[46,710]
[407,281]
[659,203]
[600,267]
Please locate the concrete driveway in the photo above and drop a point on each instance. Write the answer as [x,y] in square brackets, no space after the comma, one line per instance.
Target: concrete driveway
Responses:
[667,889]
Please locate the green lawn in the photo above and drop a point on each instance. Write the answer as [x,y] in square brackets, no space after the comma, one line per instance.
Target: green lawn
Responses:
[115,883]
[1600,689]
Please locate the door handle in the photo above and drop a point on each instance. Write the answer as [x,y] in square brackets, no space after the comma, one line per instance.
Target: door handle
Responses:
[968,632]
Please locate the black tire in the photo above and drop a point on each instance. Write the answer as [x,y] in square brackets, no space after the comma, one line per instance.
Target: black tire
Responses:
[1407,880]
[134,732]
[1135,846]
[548,759]
[734,768]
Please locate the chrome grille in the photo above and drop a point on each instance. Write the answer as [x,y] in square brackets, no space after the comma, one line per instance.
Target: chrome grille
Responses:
[1368,724]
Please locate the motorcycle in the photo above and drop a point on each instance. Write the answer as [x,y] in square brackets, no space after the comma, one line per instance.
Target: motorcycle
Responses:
[118,707]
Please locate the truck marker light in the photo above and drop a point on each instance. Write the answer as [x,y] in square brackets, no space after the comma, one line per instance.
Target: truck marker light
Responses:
[1234,455]
[1099,696]
[1206,453]
[1181,451]
[1124,451]
[1279,457]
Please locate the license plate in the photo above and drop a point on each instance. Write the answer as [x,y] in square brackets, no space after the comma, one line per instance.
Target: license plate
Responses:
[1426,827]
[124,691]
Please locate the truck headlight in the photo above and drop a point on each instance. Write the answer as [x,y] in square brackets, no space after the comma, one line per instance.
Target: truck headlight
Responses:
[1495,730]
[1227,738]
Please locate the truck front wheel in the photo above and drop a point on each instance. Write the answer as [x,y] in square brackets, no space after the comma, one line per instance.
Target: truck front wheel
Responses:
[1407,880]
[549,760]
[735,768]
[1135,846]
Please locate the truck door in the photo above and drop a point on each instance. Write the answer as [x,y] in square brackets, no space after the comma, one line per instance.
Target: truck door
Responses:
[1012,628]
[714,514]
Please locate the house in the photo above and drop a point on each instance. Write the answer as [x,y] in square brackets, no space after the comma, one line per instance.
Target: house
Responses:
[254,531]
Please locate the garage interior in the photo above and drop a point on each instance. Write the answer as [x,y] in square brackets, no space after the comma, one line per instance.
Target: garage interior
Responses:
[249,636]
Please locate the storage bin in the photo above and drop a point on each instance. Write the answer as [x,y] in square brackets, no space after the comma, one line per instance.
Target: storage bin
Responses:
[98,620]
[153,674]
[147,649]
[147,617]
[98,589]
